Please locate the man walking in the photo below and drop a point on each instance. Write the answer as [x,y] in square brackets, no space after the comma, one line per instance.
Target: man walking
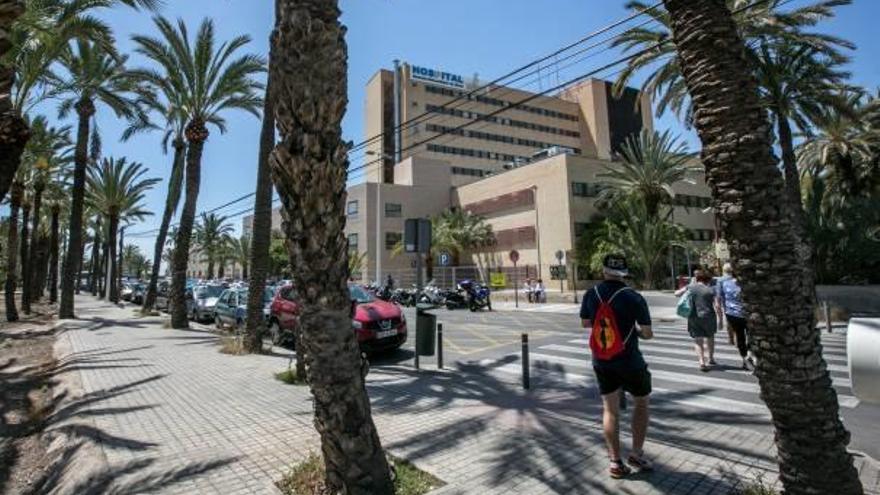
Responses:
[618,316]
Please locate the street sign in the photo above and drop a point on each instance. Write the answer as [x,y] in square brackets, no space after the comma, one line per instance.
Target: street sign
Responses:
[514,256]
[559,255]
[498,279]
[417,235]
[445,259]
[557,272]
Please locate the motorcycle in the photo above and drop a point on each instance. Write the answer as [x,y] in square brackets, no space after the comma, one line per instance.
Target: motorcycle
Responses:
[478,295]
[432,295]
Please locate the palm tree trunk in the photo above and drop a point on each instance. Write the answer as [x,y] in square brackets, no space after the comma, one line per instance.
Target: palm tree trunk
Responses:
[96,259]
[120,266]
[85,108]
[12,250]
[261,232]
[53,255]
[789,166]
[102,279]
[40,266]
[778,295]
[14,132]
[210,268]
[221,269]
[309,168]
[196,133]
[33,279]
[112,268]
[25,259]
[174,186]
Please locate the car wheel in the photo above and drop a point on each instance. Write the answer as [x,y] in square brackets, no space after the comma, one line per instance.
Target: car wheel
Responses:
[218,322]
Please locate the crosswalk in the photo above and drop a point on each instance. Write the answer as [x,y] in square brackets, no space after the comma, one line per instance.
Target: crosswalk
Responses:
[676,377]
[560,308]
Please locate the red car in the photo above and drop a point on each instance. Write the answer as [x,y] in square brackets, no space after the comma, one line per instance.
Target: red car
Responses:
[379,325]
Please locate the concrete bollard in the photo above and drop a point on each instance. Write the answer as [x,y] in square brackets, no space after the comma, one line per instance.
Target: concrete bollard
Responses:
[525,361]
[863,353]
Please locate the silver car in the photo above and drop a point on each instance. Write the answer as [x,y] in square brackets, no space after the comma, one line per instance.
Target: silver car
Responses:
[203,302]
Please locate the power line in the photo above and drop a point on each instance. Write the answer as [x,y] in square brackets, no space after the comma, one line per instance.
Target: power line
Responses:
[212,210]
[558,87]
[497,81]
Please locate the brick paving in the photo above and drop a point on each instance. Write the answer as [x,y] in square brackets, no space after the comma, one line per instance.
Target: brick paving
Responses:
[171,414]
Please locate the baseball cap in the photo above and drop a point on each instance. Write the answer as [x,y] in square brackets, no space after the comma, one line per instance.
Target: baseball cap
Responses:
[615,264]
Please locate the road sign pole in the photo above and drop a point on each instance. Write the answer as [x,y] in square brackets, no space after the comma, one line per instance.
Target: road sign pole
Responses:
[515,285]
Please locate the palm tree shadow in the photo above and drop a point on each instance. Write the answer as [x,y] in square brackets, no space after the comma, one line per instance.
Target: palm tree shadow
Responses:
[551,433]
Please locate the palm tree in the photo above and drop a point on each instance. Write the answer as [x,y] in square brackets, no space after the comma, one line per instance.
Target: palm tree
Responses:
[644,237]
[779,296]
[843,144]
[134,261]
[34,34]
[309,168]
[94,75]
[795,81]
[45,159]
[167,102]
[207,82]
[262,221]
[757,24]
[15,200]
[13,129]
[240,254]
[212,235]
[779,49]
[117,188]
[650,164]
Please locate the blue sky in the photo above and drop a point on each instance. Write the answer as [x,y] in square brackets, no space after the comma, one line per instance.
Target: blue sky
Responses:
[467,37]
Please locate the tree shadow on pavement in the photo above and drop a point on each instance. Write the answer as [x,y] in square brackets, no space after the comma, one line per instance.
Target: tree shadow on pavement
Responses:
[550,434]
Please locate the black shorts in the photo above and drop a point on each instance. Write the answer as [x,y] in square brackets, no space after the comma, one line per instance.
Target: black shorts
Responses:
[637,382]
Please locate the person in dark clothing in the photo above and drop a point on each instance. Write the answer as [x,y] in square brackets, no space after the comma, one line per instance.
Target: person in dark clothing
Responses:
[626,369]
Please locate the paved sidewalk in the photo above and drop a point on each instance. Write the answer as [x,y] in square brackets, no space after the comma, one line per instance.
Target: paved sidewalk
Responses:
[171,414]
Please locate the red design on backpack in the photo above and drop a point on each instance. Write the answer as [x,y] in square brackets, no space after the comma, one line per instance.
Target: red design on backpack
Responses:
[606,341]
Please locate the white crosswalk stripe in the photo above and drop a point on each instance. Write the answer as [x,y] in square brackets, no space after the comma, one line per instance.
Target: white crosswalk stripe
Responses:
[673,365]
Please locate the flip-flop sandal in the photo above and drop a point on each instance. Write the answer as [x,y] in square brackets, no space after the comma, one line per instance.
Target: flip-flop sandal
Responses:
[704,368]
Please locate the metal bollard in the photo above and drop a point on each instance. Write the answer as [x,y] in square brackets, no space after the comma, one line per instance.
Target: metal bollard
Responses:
[440,346]
[525,360]
[827,310]
[416,348]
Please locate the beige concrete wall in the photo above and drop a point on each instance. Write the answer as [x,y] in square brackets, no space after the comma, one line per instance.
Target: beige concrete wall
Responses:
[374,103]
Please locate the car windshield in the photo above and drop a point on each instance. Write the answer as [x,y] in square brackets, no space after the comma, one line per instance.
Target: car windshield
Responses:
[209,291]
[358,294]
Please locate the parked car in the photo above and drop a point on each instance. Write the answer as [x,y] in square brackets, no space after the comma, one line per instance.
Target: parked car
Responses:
[138,292]
[126,292]
[231,308]
[379,325]
[162,291]
[201,305]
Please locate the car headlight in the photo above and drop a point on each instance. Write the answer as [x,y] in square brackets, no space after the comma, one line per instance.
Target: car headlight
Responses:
[356,325]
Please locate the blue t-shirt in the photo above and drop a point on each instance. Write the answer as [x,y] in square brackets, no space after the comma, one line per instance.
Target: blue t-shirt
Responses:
[629,308]
[728,291]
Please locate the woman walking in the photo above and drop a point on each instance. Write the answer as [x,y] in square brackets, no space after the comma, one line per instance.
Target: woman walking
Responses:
[729,297]
[702,323]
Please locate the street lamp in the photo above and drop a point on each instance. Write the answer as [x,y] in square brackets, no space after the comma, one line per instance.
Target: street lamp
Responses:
[384,156]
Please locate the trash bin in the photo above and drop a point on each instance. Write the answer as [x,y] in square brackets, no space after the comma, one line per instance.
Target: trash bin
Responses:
[426,325]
